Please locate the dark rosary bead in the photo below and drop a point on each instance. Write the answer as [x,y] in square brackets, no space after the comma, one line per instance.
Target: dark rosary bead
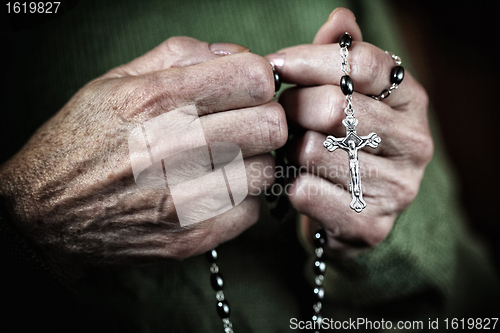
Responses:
[223,309]
[346,85]
[397,74]
[317,318]
[212,255]
[277,81]
[345,40]
[320,238]
[217,281]
[319,267]
[319,293]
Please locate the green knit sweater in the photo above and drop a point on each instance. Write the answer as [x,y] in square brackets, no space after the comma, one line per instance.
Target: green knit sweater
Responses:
[430,266]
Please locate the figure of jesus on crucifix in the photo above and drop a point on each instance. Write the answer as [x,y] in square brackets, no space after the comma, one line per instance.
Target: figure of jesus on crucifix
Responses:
[352,143]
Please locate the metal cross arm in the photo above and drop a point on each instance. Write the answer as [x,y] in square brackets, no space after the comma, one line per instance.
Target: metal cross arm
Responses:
[352,143]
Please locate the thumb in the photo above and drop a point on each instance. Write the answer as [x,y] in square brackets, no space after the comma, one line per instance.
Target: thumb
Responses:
[175,52]
[341,20]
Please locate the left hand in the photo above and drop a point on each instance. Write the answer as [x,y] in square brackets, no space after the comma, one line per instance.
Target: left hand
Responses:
[390,174]
[72,191]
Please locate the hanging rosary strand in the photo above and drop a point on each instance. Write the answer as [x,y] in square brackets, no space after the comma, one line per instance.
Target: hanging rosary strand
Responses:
[351,142]
[319,268]
[216,279]
[217,283]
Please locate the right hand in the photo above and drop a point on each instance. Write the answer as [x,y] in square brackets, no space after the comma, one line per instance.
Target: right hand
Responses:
[71,189]
[316,105]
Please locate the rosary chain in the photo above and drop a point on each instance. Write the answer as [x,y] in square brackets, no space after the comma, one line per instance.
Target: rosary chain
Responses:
[319,268]
[344,53]
[217,283]
[387,92]
[346,69]
[349,111]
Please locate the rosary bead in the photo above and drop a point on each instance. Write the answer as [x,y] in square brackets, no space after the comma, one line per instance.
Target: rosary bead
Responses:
[223,309]
[345,40]
[277,81]
[346,85]
[397,74]
[319,267]
[317,318]
[212,255]
[319,293]
[320,238]
[217,281]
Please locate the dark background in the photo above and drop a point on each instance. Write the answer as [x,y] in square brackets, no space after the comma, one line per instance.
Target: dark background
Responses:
[454,46]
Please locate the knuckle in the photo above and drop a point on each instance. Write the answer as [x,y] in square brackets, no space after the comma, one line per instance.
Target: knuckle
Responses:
[269,169]
[404,191]
[409,193]
[150,95]
[275,126]
[426,148]
[368,65]
[308,152]
[248,214]
[258,76]
[420,97]
[298,194]
[251,216]
[311,154]
[261,173]
[176,45]
[333,110]
[429,151]
[422,147]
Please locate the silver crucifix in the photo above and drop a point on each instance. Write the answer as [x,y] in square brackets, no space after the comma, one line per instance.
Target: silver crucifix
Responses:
[352,143]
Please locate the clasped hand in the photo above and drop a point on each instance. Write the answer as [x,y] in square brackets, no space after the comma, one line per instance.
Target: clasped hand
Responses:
[71,190]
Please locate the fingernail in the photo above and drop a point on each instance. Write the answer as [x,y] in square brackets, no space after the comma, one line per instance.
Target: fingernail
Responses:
[345,10]
[277,59]
[223,49]
[333,13]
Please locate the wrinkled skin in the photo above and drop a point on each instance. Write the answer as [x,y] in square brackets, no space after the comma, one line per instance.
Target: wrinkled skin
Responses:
[71,189]
[392,172]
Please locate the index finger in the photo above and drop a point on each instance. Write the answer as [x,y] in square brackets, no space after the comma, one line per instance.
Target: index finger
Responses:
[231,82]
[312,65]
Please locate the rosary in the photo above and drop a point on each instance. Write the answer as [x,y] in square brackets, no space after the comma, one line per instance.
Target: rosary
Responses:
[351,143]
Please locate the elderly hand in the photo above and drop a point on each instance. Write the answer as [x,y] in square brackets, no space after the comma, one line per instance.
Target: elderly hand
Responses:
[390,174]
[71,188]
